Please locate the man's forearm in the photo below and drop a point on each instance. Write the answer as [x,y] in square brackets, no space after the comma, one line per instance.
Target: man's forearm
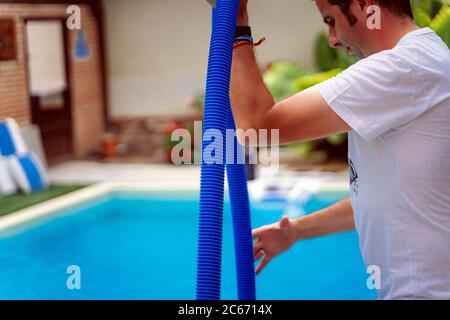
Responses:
[250,99]
[335,219]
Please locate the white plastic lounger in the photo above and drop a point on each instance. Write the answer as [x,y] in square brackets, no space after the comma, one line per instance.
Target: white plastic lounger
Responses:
[28,173]
[11,141]
[7,184]
[20,166]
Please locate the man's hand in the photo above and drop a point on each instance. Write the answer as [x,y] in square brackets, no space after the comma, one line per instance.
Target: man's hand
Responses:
[272,240]
[276,238]
[242,19]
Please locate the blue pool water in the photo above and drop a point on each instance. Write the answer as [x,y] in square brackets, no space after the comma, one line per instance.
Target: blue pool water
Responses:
[131,246]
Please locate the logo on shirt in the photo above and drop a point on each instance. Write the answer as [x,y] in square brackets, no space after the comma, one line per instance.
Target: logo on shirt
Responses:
[353,177]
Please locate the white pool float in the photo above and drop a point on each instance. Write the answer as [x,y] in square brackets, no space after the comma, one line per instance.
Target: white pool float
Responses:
[28,173]
[20,167]
[7,184]
[11,141]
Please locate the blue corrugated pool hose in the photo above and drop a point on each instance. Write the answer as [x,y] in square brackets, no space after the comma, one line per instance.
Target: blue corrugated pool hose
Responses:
[218,116]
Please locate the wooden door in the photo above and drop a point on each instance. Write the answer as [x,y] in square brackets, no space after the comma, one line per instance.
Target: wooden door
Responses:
[49,87]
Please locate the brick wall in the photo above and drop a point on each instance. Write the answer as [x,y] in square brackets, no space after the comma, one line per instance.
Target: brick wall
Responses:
[85,77]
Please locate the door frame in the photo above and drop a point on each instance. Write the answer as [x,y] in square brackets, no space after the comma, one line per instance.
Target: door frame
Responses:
[68,98]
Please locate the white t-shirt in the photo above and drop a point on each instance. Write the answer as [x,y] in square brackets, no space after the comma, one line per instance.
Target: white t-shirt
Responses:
[398,104]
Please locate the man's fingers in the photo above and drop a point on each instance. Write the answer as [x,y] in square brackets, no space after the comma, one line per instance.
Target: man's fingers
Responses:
[262,264]
[258,254]
[257,233]
[257,246]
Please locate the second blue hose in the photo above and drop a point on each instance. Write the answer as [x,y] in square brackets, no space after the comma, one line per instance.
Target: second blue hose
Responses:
[243,243]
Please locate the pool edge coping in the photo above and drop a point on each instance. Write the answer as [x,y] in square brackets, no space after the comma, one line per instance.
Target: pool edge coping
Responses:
[94,191]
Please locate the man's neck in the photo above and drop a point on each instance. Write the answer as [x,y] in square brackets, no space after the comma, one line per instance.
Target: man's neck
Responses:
[390,34]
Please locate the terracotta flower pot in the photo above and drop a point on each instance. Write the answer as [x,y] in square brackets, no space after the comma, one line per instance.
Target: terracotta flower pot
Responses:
[109,146]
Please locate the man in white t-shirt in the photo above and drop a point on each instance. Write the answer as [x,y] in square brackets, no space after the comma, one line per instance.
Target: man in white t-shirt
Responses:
[395,105]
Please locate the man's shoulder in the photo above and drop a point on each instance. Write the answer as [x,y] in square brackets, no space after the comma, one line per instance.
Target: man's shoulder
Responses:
[424,48]
[416,54]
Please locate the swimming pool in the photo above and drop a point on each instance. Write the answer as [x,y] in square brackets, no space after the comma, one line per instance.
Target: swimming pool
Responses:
[143,246]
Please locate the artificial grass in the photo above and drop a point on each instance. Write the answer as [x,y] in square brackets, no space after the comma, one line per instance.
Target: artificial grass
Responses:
[16,202]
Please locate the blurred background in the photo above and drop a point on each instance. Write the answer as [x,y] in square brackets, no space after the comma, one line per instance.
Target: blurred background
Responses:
[115,89]
[97,88]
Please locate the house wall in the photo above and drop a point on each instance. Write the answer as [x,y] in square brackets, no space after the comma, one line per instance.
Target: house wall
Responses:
[85,76]
[158,49]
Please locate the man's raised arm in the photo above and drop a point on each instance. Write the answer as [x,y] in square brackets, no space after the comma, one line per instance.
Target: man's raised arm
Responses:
[248,90]
[304,116]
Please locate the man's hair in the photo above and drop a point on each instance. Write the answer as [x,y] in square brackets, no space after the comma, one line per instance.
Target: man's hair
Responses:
[399,7]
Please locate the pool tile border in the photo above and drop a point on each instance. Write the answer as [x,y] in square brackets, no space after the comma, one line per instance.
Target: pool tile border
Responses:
[52,206]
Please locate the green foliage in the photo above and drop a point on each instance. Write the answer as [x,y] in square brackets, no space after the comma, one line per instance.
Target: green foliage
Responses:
[429,7]
[337,139]
[345,60]
[302,149]
[307,81]
[441,24]
[280,78]
[434,14]
[421,17]
[327,58]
